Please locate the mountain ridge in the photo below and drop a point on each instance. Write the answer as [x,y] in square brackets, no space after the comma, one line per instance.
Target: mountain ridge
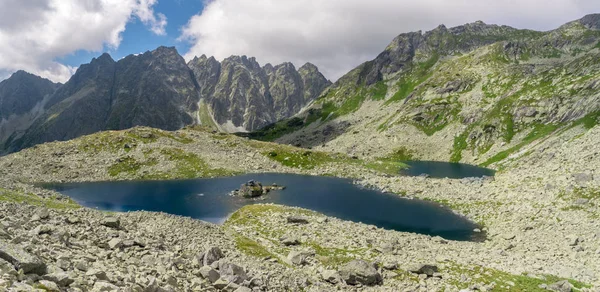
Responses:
[475,93]
[160,89]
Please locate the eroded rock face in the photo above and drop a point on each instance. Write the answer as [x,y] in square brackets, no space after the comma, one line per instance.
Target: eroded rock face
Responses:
[243,96]
[360,272]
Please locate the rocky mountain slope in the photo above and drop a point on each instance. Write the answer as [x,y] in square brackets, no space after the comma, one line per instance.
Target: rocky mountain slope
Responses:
[22,99]
[155,89]
[476,93]
[242,95]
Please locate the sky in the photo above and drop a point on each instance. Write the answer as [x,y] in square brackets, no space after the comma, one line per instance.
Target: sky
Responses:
[51,38]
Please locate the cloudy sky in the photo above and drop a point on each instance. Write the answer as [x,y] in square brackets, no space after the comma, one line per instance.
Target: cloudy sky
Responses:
[52,38]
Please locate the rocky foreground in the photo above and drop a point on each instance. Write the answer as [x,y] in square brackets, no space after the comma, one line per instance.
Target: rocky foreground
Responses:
[540,214]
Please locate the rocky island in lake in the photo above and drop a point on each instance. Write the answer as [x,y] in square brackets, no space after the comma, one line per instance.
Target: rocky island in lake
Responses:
[254,189]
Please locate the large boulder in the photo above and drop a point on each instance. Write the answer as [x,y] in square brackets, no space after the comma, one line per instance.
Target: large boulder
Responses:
[209,274]
[21,259]
[212,255]
[232,273]
[111,222]
[425,269]
[360,272]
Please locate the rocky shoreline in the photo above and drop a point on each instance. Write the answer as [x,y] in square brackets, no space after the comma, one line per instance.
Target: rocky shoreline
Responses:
[540,213]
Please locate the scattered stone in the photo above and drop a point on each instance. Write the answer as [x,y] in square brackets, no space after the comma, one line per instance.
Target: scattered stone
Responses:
[297,219]
[232,273]
[209,273]
[299,257]
[81,265]
[360,272]
[426,269]
[111,222]
[289,240]
[390,266]
[41,229]
[21,259]
[115,243]
[49,286]
[561,286]
[212,255]
[102,286]
[61,278]
[331,276]
[582,178]
[72,220]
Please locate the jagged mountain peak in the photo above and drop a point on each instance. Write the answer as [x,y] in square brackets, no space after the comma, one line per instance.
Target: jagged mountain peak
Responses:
[308,66]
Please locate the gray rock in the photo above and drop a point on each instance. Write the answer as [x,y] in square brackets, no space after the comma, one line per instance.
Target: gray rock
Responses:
[102,286]
[425,269]
[390,266]
[21,259]
[297,219]
[41,229]
[209,273]
[49,286]
[331,276]
[581,201]
[232,273]
[212,255]
[299,257]
[115,243]
[81,265]
[582,178]
[561,286]
[62,279]
[243,289]
[223,284]
[360,272]
[111,222]
[289,240]
[100,275]
[72,220]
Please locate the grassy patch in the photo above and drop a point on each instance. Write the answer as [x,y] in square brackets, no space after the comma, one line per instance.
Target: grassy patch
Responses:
[333,257]
[252,248]
[303,159]
[128,165]
[539,131]
[504,281]
[460,144]
[113,141]
[378,91]
[61,203]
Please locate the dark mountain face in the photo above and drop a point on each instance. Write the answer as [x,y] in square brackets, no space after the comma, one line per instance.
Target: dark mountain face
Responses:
[156,89]
[22,98]
[21,92]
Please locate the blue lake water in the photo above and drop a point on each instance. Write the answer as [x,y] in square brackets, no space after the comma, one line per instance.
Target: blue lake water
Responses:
[437,169]
[209,200]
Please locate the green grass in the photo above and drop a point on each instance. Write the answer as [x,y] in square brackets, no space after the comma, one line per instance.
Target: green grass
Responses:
[303,159]
[60,203]
[113,141]
[460,144]
[252,248]
[505,281]
[333,257]
[539,131]
[378,91]
[187,165]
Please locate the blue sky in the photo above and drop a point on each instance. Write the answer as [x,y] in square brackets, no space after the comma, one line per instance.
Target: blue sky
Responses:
[137,38]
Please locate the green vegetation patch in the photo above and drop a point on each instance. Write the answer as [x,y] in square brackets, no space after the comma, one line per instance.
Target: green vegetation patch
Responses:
[187,165]
[419,72]
[503,281]
[303,159]
[539,131]
[113,141]
[252,248]
[61,203]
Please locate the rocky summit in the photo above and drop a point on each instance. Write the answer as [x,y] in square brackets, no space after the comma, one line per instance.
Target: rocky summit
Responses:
[155,89]
[521,102]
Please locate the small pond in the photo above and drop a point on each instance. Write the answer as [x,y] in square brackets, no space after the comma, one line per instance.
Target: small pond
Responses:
[438,169]
[209,200]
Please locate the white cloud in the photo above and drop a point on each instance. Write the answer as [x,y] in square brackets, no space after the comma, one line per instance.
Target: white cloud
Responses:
[337,35]
[33,33]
